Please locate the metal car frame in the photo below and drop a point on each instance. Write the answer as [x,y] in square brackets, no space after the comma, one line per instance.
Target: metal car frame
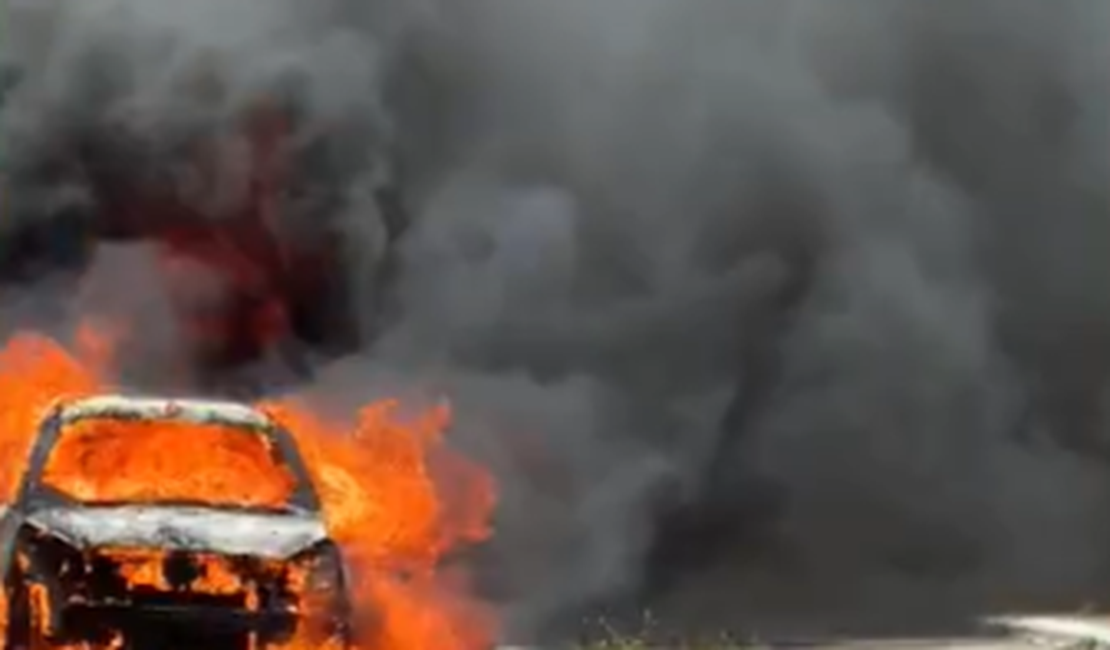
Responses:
[32,493]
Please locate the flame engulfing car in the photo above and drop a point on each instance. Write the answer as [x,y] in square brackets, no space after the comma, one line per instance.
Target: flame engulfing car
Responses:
[95,552]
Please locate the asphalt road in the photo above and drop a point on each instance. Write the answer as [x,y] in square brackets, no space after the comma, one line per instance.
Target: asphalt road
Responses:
[999,633]
[1018,633]
[1002,633]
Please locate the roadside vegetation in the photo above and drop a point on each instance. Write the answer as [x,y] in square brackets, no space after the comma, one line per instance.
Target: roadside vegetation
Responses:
[606,636]
[633,643]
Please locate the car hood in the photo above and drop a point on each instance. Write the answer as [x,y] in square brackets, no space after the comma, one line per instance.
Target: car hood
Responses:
[198,529]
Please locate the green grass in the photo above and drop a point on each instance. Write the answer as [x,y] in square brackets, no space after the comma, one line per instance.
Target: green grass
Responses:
[606,636]
[632,643]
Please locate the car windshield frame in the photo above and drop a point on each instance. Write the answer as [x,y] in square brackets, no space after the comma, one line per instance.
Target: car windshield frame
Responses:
[36,493]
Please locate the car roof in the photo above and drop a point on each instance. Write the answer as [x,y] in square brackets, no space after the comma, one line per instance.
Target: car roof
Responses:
[198,411]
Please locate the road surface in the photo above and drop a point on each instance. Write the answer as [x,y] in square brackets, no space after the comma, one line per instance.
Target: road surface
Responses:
[999,633]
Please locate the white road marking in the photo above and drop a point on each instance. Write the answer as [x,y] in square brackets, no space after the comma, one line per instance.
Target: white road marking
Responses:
[1070,629]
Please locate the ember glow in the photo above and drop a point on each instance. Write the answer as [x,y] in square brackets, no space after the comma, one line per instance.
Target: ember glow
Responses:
[395,497]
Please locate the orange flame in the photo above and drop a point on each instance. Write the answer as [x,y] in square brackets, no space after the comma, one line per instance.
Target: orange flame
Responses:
[114,461]
[395,497]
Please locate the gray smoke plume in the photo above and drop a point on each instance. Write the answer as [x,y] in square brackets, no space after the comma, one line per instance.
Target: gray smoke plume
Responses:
[877,229]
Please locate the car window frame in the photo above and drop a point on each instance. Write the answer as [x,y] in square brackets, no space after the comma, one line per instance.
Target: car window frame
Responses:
[33,493]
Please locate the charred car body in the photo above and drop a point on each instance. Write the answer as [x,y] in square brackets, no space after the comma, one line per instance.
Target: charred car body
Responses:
[156,572]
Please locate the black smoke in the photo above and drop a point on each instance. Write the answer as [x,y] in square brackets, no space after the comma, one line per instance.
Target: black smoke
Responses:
[873,231]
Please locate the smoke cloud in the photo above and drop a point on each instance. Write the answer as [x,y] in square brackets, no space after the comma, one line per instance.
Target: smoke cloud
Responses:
[875,229]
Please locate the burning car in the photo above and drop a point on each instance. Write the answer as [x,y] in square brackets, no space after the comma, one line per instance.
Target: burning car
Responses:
[93,555]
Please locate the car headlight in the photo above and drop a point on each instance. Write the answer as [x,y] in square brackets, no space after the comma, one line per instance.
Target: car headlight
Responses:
[323,598]
[321,570]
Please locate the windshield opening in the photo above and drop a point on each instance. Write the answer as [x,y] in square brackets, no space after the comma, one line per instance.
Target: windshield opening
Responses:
[112,462]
